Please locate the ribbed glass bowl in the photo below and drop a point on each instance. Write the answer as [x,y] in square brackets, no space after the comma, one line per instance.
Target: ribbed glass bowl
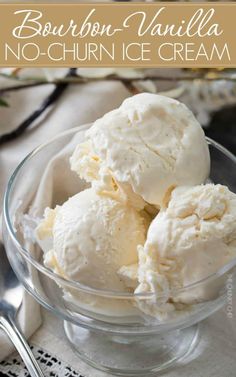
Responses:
[107,328]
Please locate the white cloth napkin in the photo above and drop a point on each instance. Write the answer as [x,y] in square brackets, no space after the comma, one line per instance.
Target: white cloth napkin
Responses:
[78,105]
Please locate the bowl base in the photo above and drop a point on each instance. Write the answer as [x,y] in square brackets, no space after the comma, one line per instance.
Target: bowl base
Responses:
[131,355]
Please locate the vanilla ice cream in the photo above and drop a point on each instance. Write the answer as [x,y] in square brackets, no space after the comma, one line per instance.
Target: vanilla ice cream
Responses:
[189,240]
[149,144]
[92,237]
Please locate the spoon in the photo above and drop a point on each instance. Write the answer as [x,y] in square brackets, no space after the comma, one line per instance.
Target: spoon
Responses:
[11,296]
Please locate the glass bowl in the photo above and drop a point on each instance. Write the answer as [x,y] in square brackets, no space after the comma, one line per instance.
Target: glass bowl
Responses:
[107,328]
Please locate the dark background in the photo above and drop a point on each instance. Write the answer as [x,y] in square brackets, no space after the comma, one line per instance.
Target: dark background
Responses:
[223,128]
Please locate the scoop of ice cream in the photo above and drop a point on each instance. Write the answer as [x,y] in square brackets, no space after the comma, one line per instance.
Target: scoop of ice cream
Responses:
[150,143]
[188,241]
[89,167]
[85,162]
[92,238]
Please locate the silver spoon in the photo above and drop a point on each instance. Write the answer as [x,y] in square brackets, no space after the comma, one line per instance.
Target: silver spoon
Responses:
[11,295]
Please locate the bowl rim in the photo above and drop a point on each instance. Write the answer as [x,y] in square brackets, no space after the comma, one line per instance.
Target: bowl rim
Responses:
[75,284]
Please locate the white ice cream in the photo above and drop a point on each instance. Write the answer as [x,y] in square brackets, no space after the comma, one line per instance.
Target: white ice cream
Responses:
[148,154]
[92,237]
[149,144]
[190,239]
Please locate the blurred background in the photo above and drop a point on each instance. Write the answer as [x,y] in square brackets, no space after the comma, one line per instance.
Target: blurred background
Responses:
[210,94]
